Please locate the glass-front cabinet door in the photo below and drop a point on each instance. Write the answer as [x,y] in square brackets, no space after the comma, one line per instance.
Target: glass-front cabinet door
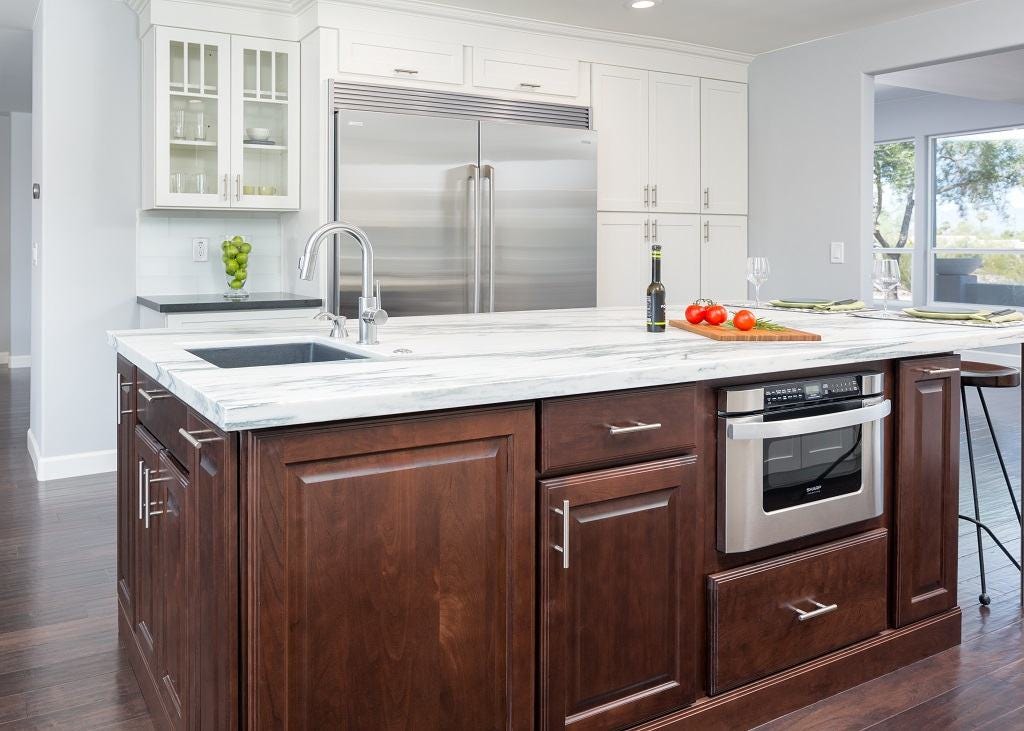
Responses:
[192,108]
[265,123]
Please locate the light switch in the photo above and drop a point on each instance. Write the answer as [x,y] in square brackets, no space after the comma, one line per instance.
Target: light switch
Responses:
[837,252]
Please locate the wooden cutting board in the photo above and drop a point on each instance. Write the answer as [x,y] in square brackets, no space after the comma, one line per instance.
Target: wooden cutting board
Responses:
[716,332]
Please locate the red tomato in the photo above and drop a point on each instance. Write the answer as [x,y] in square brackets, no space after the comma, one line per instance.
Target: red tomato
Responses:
[744,320]
[716,315]
[695,314]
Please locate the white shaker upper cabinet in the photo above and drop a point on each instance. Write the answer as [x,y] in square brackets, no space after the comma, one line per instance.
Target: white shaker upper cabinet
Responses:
[621,111]
[264,123]
[186,119]
[723,149]
[526,73]
[675,143]
[723,259]
[398,57]
[623,259]
[679,236]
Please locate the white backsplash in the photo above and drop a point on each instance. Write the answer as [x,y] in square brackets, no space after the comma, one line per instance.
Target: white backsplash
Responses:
[164,258]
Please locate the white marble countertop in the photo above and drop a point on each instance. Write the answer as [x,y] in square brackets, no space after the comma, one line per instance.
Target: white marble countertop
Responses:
[470,360]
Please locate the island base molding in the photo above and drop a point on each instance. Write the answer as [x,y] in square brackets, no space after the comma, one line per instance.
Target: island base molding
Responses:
[779,694]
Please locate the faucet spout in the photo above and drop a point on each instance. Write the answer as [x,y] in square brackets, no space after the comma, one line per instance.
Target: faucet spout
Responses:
[370,313]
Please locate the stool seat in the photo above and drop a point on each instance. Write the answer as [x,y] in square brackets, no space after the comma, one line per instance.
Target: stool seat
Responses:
[988,375]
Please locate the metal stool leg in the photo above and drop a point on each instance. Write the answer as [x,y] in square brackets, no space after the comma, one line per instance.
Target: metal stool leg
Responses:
[999,454]
[983,597]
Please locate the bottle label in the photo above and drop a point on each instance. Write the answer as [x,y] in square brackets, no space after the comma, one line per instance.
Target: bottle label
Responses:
[656,313]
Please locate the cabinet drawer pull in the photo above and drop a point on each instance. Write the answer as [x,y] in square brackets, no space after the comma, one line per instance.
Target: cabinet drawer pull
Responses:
[937,371]
[821,609]
[153,395]
[525,85]
[411,72]
[636,427]
[195,442]
[142,480]
[564,548]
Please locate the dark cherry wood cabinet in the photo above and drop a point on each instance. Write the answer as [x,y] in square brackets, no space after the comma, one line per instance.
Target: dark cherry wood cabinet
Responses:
[127,487]
[391,574]
[926,490]
[619,557]
[146,621]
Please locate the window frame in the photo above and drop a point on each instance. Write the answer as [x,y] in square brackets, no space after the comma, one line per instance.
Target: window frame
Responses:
[876,248]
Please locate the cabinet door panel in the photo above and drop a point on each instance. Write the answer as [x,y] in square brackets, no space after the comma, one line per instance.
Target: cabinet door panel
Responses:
[927,484]
[147,551]
[723,150]
[723,259]
[620,100]
[127,489]
[623,259]
[679,236]
[619,619]
[400,57]
[525,72]
[393,574]
[675,143]
[175,557]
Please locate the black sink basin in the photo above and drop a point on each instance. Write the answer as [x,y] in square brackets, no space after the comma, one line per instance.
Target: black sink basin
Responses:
[271,354]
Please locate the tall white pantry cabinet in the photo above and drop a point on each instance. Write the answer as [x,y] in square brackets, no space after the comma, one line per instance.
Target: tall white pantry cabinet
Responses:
[671,170]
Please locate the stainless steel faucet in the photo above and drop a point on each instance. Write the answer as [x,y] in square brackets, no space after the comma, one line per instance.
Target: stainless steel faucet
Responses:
[371,315]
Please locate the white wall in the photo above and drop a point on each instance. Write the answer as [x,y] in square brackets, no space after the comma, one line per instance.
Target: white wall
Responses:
[812,130]
[86,158]
[21,237]
[5,237]
[164,260]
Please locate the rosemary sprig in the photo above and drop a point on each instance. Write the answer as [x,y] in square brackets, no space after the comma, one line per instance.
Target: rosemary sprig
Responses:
[761,323]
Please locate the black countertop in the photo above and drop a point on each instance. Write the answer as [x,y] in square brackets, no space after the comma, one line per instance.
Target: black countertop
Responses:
[217,303]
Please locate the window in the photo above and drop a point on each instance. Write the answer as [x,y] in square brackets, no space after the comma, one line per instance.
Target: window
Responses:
[894,209]
[978,218]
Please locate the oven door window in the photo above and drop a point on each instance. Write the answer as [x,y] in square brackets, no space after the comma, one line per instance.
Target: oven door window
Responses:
[810,467]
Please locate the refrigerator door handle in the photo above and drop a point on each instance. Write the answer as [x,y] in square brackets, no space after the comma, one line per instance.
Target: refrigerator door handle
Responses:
[488,171]
[473,204]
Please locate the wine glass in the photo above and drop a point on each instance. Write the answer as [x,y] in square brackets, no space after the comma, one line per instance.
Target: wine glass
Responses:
[758,270]
[887,279]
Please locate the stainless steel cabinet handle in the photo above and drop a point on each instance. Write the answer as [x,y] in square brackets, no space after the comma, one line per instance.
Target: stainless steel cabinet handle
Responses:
[488,171]
[937,371]
[153,395]
[636,427]
[707,197]
[238,187]
[529,86]
[647,196]
[654,230]
[647,230]
[120,388]
[227,188]
[564,548]
[752,427]
[194,442]
[411,72]
[707,231]
[142,468]
[654,196]
[472,190]
[148,502]
[821,609]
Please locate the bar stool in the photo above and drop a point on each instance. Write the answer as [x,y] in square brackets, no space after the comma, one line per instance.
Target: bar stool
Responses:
[986,375]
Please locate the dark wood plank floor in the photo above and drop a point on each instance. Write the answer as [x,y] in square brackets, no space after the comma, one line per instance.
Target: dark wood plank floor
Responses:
[61,667]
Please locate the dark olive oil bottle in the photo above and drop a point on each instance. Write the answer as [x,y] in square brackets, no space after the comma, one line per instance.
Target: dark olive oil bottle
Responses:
[656,294]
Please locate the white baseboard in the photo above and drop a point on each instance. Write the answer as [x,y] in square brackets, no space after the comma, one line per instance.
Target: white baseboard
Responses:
[990,356]
[70,465]
[20,361]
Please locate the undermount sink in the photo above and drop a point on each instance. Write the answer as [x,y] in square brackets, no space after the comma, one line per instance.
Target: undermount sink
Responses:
[271,354]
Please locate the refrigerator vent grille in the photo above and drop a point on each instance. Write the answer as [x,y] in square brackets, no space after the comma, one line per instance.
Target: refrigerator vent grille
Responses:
[377,98]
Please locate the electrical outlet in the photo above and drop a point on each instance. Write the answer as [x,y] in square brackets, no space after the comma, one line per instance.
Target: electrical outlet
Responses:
[200,249]
[837,252]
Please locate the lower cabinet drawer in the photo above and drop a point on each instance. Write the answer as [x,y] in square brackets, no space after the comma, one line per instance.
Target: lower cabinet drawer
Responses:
[163,414]
[779,613]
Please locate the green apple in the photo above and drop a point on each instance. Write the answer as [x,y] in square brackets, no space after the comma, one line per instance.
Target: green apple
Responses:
[246,248]
[232,251]
[241,275]
[231,266]
[242,258]
[236,284]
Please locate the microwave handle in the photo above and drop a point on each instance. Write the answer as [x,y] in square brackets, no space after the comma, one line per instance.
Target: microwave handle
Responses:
[753,428]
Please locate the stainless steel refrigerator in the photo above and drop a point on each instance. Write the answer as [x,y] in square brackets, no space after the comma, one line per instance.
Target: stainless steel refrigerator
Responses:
[467,215]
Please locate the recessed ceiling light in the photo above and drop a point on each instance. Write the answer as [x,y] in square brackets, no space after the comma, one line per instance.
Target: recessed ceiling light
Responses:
[641,4]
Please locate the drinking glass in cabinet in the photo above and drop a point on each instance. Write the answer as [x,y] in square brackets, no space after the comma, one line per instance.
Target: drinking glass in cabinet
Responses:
[177,183]
[178,124]
[198,120]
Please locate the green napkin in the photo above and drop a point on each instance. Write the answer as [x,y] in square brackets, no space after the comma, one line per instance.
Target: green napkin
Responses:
[1014,316]
[794,305]
[848,307]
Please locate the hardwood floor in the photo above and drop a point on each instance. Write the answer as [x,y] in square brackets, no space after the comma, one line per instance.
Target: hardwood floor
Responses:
[60,664]
[61,667]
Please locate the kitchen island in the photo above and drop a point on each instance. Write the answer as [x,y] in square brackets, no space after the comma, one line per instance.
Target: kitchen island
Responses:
[512,520]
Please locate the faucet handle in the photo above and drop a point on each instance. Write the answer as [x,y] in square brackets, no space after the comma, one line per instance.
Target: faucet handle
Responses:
[338,329]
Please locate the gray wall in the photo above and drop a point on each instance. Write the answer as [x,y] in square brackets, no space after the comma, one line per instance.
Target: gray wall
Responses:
[5,235]
[21,237]
[812,131]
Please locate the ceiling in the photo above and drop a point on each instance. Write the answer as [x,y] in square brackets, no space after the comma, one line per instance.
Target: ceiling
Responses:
[996,77]
[17,13]
[749,26]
